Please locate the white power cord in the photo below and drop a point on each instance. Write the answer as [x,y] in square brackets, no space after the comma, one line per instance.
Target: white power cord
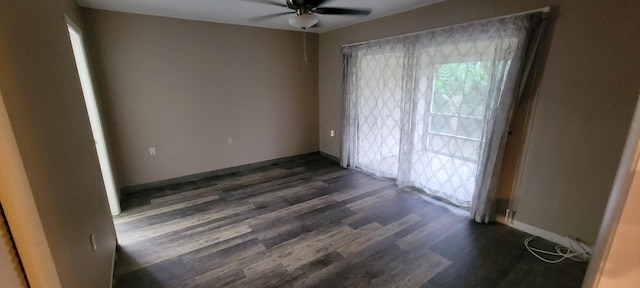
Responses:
[575,252]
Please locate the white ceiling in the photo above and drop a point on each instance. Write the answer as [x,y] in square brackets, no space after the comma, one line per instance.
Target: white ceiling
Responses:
[241,11]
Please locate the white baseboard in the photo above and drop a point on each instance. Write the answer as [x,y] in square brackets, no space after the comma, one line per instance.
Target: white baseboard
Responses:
[553,237]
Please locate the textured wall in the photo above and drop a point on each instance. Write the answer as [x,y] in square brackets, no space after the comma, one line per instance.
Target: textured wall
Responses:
[587,86]
[185,87]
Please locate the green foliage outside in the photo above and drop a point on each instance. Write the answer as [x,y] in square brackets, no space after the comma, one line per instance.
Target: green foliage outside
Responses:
[460,89]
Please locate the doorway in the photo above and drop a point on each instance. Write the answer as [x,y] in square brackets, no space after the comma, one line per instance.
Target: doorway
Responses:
[94,115]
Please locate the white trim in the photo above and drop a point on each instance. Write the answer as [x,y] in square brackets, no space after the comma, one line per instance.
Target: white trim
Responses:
[553,237]
[616,205]
[93,112]
[543,10]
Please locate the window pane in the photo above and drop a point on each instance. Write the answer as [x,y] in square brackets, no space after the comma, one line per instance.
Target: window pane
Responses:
[460,94]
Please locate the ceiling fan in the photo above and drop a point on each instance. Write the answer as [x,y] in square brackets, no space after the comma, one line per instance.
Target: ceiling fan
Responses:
[303,12]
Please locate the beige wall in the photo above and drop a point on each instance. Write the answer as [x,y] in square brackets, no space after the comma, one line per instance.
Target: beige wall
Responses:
[587,90]
[44,102]
[185,87]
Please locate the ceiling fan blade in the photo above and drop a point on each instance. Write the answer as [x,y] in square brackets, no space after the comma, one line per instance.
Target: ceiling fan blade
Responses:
[270,16]
[315,3]
[342,11]
[269,2]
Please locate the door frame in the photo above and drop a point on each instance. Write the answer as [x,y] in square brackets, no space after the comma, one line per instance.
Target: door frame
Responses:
[95,116]
[616,205]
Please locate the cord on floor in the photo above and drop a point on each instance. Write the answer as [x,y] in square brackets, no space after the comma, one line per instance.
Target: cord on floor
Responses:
[575,252]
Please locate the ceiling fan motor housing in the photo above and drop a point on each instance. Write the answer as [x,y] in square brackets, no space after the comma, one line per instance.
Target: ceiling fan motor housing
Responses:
[301,7]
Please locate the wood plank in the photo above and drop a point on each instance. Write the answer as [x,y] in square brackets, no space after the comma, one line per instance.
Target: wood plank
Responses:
[277,184]
[178,224]
[371,202]
[228,242]
[432,232]
[326,215]
[281,231]
[334,175]
[368,240]
[253,178]
[220,268]
[163,209]
[365,187]
[190,194]
[292,211]
[290,256]
[284,194]
[299,255]
[272,277]
[307,249]
[154,255]
[384,213]
[341,273]
[414,270]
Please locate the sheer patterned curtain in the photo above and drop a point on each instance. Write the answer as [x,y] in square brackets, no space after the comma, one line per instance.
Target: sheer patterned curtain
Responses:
[432,109]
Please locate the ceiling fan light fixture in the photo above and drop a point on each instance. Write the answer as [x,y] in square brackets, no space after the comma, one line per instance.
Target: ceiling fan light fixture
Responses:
[303,21]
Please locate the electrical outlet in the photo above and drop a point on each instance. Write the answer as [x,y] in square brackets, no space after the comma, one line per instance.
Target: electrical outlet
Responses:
[332,133]
[152,151]
[230,140]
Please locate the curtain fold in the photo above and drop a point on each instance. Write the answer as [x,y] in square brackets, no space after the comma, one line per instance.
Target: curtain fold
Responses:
[350,109]
[484,201]
[432,109]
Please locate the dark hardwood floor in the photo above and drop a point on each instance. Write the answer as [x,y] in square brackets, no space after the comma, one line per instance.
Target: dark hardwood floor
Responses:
[310,223]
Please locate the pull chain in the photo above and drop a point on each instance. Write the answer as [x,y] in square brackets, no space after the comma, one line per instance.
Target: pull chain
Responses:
[304,45]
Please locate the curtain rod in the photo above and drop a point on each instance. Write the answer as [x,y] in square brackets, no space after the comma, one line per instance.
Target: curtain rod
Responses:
[543,10]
